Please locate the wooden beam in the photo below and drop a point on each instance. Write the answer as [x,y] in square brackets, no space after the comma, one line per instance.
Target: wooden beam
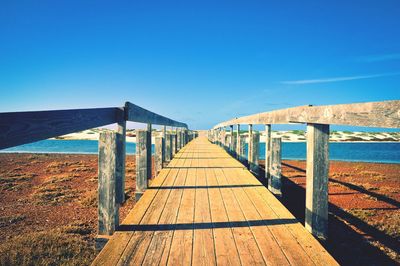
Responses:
[138,114]
[19,128]
[316,219]
[275,182]
[384,114]
[173,144]
[108,208]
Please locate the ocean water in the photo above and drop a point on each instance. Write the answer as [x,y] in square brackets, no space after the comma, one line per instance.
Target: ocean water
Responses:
[360,152]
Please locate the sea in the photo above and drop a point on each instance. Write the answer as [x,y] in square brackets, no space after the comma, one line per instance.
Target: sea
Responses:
[345,151]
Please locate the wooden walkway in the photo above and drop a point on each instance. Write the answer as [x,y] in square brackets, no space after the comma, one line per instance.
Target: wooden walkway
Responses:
[206,208]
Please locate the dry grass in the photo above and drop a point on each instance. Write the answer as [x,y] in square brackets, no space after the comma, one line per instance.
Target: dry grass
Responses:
[8,220]
[89,199]
[53,194]
[15,181]
[64,246]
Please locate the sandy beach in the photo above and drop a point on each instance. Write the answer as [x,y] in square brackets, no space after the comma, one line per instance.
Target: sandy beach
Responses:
[287,136]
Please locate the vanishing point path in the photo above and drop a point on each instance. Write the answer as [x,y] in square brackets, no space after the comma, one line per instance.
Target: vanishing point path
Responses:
[206,208]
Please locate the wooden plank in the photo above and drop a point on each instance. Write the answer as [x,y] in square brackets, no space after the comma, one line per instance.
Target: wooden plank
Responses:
[226,251]
[275,181]
[271,251]
[108,208]
[138,114]
[19,128]
[112,252]
[383,114]
[140,240]
[182,242]
[246,244]
[161,239]
[316,219]
[203,238]
[291,249]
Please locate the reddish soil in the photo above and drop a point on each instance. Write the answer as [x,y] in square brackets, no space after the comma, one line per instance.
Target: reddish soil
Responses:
[39,192]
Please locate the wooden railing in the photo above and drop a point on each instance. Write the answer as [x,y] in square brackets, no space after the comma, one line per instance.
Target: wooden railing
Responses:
[19,128]
[384,114]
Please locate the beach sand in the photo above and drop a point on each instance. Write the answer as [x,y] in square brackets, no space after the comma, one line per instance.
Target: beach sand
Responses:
[47,200]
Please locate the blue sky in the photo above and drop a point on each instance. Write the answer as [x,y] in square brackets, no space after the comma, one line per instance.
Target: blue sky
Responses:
[200,62]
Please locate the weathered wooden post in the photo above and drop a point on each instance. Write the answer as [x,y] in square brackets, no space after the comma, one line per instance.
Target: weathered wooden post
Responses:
[231,140]
[108,207]
[149,151]
[255,144]
[158,163]
[168,147]
[234,142]
[164,133]
[121,154]
[178,140]
[275,181]
[249,145]
[316,219]
[143,149]
[173,144]
[238,143]
[242,149]
[267,151]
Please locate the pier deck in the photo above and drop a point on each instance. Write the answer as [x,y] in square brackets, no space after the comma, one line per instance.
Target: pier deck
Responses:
[206,208]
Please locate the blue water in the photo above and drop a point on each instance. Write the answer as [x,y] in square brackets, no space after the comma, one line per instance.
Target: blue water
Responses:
[361,152]
[66,146]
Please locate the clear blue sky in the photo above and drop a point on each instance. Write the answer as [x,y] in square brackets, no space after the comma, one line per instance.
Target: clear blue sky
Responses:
[200,62]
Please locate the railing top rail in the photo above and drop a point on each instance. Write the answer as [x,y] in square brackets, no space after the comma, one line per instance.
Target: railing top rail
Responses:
[17,128]
[138,114]
[385,114]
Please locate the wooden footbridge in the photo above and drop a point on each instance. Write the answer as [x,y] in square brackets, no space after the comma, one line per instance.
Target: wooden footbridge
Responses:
[206,205]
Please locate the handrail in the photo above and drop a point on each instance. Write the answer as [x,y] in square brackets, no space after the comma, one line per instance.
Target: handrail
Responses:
[17,128]
[138,114]
[385,114]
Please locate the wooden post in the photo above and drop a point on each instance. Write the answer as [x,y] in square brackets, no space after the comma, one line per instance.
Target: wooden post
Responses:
[108,208]
[249,145]
[168,147]
[158,154]
[142,168]
[238,142]
[255,144]
[234,142]
[267,151]
[164,132]
[275,182]
[173,144]
[242,155]
[178,143]
[149,153]
[231,141]
[121,153]
[186,136]
[316,220]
